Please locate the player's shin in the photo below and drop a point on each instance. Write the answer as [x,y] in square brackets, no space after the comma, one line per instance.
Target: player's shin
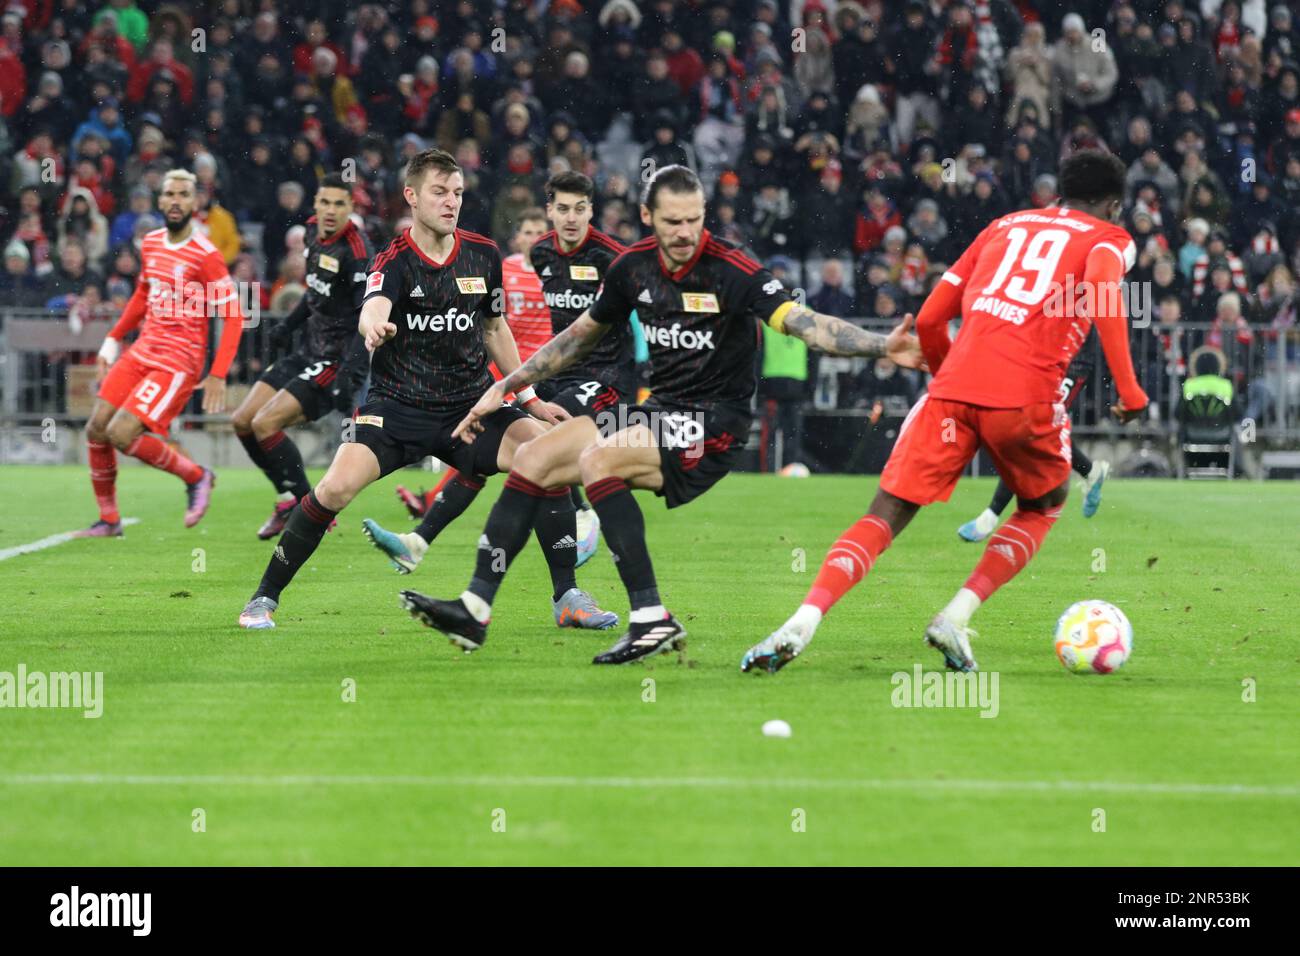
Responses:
[624,529]
[849,560]
[1008,551]
[254,449]
[152,450]
[449,503]
[284,464]
[508,527]
[103,478]
[302,534]
[557,533]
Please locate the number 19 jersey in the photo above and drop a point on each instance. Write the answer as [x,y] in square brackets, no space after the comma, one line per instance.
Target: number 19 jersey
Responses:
[1025,311]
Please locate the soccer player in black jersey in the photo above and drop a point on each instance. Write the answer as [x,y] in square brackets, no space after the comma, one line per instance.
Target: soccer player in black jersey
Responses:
[1093,473]
[570,261]
[304,385]
[699,300]
[431,319]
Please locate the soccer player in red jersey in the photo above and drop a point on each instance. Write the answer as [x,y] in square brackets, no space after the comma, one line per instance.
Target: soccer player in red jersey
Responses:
[529,319]
[183,280]
[1027,289]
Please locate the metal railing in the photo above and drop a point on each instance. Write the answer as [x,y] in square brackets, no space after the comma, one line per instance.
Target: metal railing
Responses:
[39,351]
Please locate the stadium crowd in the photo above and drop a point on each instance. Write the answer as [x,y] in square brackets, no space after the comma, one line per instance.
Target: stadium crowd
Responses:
[855,147]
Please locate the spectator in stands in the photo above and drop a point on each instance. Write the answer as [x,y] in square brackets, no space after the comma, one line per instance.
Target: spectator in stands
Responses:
[71,276]
[19,285]
[825,220]
[877,215]
[1083,74]
[128,19]
[217,222]
[1028,73]
[830,297]
[80,221]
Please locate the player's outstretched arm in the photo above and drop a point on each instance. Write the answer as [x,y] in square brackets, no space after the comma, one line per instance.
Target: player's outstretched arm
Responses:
[374,324]
[501,347]
[1101,277]
[559,353]
[834,336]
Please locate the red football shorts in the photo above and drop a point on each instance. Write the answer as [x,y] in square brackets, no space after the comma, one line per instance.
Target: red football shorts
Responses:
[1030,448]
[150,394]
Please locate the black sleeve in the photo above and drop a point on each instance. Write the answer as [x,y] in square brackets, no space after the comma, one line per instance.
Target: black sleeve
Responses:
[301,312]
[360,269]
[387,279]
[759,293]
[613,298]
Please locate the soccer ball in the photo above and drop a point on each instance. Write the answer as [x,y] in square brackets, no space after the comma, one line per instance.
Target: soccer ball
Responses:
[1093,637]
[795,469]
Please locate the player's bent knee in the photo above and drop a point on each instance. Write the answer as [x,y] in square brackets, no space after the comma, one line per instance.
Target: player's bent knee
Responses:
[531,461]
[335,492]
[265,423]
[96,432]
[597,462]
[122,432]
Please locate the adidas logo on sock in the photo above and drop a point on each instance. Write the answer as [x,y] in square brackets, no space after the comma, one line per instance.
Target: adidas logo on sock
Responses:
[279,554]
[1005,551]
[565,542]
[844,564]
[483,543]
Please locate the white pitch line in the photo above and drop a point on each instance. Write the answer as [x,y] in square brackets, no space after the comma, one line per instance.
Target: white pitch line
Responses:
[50,542]
[645,783]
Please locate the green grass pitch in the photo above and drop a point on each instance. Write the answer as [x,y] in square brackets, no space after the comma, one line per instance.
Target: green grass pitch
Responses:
[524,753]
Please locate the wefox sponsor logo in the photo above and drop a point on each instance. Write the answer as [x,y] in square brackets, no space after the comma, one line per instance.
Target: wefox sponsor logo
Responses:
[75,908]
[675,337]
[449,321]
[75,690]
[568,299]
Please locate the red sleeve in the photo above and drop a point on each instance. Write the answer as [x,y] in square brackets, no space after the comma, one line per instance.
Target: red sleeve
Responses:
[132,313]
[1103,272]
[223,301]
[940,307]
[943,304]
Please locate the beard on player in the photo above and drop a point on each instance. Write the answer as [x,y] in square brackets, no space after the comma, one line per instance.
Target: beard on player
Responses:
[677,220]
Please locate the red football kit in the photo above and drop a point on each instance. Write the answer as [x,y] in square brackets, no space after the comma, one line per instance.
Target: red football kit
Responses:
[1028,289]
[526,311]
[179,287]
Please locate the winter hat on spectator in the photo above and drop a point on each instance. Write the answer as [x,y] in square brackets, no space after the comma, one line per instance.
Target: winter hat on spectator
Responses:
[895,233]
[1072,21]
[1292,116]
[781,262]
[867,93]
[767,55]
[729,178]
[1198,225]
[18,249]
[724,40]
[411,139]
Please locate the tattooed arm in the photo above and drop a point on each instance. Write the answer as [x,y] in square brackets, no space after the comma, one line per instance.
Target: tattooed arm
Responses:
[571,345]
[834,336]
[556,355]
